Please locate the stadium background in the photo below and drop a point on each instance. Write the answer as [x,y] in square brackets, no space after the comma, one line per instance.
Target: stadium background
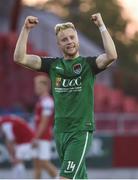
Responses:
[115,146]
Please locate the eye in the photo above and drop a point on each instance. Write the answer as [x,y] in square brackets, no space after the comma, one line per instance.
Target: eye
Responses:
[71,37]
[64,39]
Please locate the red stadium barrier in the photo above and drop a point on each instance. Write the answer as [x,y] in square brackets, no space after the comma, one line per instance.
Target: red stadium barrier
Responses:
[125,151]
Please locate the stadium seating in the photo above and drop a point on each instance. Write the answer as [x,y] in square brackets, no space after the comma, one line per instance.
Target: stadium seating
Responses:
[106,125]
[115,100]
[130,105]
[101,98]
[16,82]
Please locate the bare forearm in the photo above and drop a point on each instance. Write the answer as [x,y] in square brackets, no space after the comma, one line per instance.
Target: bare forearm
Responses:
[21,46]
[108,43]
[11,148]
[40,132]
[41,128]
[106,59]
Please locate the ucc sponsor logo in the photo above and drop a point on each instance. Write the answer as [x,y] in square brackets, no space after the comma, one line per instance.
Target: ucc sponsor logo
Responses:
[65,83]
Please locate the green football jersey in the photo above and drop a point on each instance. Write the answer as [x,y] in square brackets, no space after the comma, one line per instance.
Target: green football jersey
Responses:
[72,87]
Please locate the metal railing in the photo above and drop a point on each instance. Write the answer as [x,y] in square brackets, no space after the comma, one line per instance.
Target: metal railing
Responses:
[116,123]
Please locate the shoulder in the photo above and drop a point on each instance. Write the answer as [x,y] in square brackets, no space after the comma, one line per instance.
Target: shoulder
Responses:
[92,61]
[90,58]
[50,59]
[47,63]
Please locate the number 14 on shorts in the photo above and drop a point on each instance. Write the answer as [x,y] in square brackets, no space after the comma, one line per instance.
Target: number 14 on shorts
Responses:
[70,167]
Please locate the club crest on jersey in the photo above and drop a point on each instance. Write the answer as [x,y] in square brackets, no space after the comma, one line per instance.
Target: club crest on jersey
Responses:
[77,68]
[58,81]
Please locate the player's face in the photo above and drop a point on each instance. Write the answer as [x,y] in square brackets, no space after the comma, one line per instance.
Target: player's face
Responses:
[40,88]
[68,42]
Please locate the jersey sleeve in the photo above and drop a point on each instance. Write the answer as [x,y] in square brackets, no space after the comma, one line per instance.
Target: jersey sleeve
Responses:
[48,107]
[93,65]
[46,63]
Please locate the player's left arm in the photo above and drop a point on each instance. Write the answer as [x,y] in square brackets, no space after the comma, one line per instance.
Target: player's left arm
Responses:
[40,130]
[42,126]
[110,55]
[10,144]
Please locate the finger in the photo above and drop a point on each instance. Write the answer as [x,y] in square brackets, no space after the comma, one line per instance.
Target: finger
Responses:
[94,18]
[33,21]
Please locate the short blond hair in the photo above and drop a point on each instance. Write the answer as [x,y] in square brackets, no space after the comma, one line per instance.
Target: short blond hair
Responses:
[63,26]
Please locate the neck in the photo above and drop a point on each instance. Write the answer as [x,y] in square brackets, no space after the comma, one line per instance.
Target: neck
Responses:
[66,56]
[44,94]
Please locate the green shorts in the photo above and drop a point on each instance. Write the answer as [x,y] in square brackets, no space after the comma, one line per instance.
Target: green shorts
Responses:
[72,148]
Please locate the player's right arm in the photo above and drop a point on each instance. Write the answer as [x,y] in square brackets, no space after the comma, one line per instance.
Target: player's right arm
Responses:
[7,129]
[20,53]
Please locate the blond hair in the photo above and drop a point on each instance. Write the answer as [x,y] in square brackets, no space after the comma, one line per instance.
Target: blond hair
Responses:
[63,26]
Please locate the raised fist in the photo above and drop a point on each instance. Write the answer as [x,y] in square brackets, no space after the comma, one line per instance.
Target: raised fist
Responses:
[31,22]
[97,19]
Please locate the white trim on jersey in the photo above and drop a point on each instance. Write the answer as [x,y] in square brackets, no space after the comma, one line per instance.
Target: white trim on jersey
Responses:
[85,146]
[7,128]
[48,106]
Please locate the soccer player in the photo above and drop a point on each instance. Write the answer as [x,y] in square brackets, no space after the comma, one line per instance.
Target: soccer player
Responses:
[18,137]
[44,115]
[72,79]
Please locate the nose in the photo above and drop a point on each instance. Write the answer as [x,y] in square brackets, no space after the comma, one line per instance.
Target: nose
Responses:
[69,41]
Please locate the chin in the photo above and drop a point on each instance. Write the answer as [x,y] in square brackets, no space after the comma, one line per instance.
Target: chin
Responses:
[72,54]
